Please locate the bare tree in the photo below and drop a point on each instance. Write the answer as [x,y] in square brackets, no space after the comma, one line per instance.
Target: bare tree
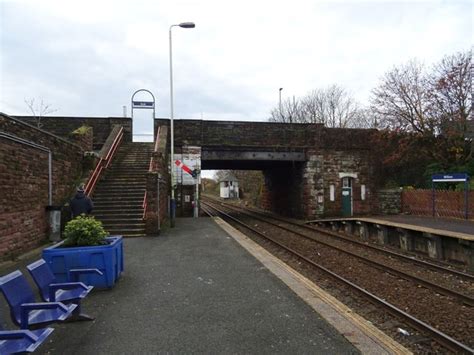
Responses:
[332,106]
[401,100]
[435,104]
[291,112]
[451,92]
[39,110]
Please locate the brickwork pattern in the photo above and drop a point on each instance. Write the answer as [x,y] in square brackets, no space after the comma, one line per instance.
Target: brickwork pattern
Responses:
[303,191]
[101,126]
[84,139]
[351,162]
[389,201]
[159,165]
[24,181]
[449,204]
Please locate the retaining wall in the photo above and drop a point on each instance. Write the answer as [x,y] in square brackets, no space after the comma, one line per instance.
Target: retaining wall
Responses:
[24,182]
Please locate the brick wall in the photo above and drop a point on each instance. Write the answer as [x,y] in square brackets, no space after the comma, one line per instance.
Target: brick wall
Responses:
[356,162]
[389,201]
[101,126]
[83,137]
[285,136]
[282,191]
[159,165]
[243,134]
[448,203]
[24,181]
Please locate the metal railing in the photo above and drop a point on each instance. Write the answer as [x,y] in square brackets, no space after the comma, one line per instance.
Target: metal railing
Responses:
[103,163]
[144,205]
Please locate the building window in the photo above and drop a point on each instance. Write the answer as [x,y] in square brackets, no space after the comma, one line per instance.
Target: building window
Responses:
[331,193]
[346,182]
[362,192]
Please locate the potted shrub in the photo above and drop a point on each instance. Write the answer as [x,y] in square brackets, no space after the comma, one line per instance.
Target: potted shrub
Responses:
[86,245]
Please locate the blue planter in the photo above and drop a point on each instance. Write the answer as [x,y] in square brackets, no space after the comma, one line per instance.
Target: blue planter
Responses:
[107,258]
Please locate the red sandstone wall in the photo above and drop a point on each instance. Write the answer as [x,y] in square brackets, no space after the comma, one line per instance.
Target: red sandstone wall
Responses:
[101,126]
[24,182]
[159,165]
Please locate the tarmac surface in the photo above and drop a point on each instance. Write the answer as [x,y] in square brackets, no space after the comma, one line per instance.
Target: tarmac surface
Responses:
[193,289]
[452,225]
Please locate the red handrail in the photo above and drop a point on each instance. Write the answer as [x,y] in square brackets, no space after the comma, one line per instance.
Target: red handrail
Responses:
[144,205]
[103,163]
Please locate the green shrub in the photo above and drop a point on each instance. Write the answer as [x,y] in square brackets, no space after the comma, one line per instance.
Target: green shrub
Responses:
[83,231]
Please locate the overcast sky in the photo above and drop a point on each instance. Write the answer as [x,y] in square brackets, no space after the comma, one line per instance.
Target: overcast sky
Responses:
[86,58]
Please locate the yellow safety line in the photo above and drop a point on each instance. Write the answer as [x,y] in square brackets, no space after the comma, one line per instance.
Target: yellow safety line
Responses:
[361,333]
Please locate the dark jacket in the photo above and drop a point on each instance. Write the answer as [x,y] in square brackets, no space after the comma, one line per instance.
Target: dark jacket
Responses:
[81,204]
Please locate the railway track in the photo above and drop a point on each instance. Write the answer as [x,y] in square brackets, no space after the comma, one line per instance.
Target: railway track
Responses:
[410,270]
[456,300]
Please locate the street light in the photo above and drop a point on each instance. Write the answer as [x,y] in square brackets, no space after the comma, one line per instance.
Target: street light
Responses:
[279,104]
[172,200]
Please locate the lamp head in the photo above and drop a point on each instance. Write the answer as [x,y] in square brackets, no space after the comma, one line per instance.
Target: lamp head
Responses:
[187,25]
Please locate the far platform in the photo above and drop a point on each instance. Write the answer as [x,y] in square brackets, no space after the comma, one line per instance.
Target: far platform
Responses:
[445,224]
[448,227]
[451,240]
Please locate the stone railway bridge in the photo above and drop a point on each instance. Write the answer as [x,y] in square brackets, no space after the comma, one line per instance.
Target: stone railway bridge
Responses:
[310,171]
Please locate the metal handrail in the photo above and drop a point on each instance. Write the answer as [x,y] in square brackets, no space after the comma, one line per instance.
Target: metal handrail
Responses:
[103,163]
[144,205]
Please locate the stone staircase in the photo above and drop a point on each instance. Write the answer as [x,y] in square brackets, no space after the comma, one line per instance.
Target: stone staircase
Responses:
[118,196]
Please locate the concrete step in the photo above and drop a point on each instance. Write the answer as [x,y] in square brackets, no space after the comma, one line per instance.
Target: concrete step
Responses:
[136,180]
[123,183]
[108,187]
[117,215]
[119,196]
[120,191]
[111,190]
[121,204]
[129,222]
[129,172]
[125,231]
[118,200]
[118,207]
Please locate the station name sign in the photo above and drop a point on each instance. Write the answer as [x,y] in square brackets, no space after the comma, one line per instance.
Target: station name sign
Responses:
[143,104]
[450,177]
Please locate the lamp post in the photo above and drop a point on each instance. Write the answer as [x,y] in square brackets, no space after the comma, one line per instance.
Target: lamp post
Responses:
[172,200]
[279,102]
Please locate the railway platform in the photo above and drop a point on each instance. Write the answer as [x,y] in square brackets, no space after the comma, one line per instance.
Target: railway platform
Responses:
[443,239]
[440,224]
[195,289]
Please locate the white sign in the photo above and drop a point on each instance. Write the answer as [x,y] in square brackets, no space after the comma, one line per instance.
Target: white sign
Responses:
[193,161]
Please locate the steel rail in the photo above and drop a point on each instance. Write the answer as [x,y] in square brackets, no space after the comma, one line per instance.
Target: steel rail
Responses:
[446,291]
[442,338]
[365,245]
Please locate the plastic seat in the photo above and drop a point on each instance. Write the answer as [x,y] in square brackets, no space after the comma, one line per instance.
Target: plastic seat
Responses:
[22,341]
[24,311]
[66,292]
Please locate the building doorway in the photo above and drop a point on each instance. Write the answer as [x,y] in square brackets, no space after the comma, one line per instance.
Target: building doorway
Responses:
[347,196]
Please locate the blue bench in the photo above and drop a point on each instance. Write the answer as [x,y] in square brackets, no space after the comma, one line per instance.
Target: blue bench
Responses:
[65,292]
[24,311]
[22,341]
